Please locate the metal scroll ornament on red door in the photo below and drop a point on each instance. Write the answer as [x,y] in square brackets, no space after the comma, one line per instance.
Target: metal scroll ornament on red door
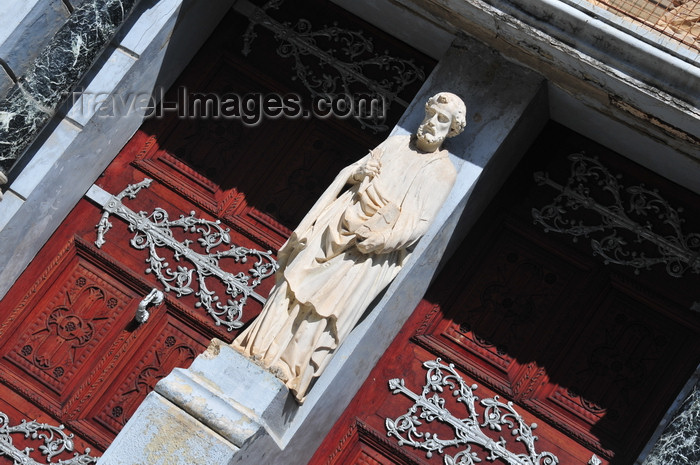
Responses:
[332,61]
[468,430]
[53,442]
[154,231]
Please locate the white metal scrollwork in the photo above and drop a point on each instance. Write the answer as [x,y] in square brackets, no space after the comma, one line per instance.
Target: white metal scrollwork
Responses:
[153,231]
[678,251]
[55,442]
[467,430]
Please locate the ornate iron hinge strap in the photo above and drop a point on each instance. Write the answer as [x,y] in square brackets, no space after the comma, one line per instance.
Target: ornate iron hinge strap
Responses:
[678,251]
[55,442]
[154,231]
[467,430]
[349,63]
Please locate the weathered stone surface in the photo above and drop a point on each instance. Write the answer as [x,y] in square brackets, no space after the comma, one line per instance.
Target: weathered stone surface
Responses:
[166,435]
[6,83]
[228,394]
[8,207]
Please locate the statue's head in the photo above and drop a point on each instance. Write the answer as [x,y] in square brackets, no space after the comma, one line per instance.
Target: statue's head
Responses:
[445,116]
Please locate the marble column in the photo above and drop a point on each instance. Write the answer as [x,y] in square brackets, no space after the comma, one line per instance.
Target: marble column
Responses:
[679,444]
[33,100]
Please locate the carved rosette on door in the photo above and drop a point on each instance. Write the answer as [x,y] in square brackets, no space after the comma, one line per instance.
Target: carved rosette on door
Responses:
[155,230]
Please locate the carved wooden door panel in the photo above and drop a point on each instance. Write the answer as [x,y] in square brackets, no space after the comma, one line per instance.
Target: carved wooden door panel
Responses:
[593,354]
[206,194]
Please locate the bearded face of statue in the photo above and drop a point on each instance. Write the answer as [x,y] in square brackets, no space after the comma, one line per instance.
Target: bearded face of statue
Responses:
[436,125]
[445,116]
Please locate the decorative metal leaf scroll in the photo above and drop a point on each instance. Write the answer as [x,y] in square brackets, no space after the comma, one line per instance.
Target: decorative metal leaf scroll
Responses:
[154,231]
[669,245]
[55,442]
[467,430]
[342,58]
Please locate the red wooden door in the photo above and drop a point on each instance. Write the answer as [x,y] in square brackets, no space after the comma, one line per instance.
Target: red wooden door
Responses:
[592,353]
[71,348]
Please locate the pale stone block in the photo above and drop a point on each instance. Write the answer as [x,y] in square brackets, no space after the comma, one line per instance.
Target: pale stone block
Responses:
[25,28]
[99,97]
[13,13]
[9,206]
[6,83]
[159,433]
[44,158]
[228,394]
[146,26]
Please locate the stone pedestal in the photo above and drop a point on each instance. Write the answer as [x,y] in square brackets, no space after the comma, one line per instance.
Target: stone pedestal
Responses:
[204,414]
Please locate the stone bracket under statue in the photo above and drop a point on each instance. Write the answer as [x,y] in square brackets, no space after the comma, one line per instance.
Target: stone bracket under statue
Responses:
[217,408]
[247,397]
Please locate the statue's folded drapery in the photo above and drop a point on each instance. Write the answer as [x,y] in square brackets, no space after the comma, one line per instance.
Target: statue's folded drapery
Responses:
[325,281]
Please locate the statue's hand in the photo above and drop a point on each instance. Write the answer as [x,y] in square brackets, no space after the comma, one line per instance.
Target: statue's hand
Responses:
[371,168]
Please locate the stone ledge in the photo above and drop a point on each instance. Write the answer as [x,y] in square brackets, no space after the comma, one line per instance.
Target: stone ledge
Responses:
[43,160]
[29,26]
[10,204]
[228,394]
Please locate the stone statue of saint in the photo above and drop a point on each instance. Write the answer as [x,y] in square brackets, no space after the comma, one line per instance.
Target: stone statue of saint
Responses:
[351,245]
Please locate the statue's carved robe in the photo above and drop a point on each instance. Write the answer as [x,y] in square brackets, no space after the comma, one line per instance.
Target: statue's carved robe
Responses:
[325,283]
